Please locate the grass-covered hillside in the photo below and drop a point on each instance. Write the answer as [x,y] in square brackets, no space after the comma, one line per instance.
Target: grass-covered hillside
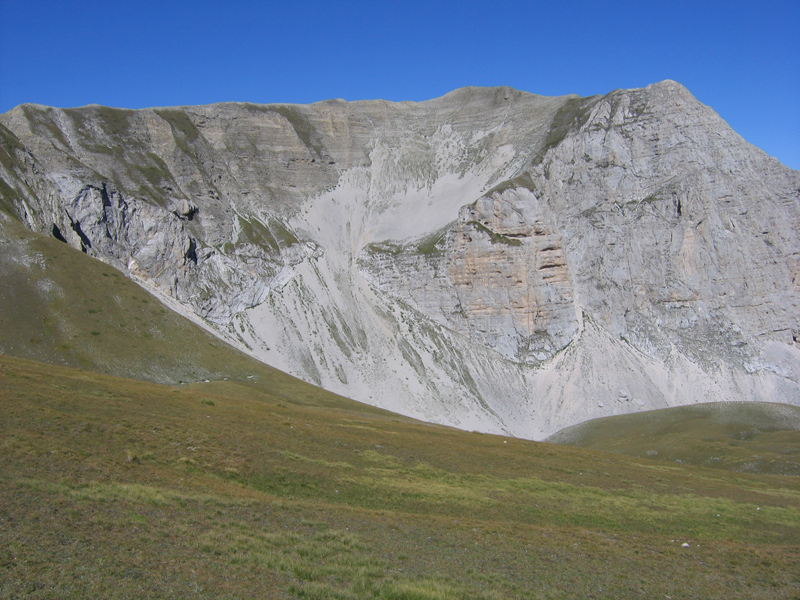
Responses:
[113,488]
[752,437]
[58,305]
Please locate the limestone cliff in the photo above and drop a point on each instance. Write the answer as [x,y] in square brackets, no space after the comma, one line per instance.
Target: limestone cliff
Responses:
[499,275]
[490,259]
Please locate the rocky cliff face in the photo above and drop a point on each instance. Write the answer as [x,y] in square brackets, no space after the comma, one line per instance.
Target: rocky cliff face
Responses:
[499,275]
[491,259]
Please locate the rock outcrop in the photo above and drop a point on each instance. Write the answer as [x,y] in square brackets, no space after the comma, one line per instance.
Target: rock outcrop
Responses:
[491,259]
[499,275]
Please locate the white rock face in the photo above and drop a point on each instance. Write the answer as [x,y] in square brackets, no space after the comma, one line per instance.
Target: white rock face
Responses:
[492,259]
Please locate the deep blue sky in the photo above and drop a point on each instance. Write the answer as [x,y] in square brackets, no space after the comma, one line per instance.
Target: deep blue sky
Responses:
[741,58]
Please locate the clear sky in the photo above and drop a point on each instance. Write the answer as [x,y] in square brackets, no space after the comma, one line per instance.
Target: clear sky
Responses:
[742,58]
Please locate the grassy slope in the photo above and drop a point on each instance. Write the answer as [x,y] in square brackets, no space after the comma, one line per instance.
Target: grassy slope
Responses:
[748,437]
[60,306]
[117,488]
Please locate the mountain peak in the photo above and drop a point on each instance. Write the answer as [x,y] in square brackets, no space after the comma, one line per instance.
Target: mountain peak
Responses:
[491,259]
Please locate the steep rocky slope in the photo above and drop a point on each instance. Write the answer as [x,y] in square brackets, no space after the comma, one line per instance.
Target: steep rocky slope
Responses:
[490,259]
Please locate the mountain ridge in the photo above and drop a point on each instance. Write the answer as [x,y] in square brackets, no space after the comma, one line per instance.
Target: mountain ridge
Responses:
[448,259]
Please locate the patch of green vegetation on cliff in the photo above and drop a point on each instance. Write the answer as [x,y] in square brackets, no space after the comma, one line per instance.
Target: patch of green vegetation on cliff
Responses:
[299,121]
[42,123]
[495,238]
[12,164]
[523,180]
[390,248]
[114,137]
[255,232]
[281,233]
[9,143]
[429,245]
[184,131]
[273,235]
[156,174]
[7,196]
[115,122]
[434,243]
[571,116]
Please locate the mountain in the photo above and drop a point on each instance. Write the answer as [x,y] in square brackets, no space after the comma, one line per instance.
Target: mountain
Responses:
[492,259]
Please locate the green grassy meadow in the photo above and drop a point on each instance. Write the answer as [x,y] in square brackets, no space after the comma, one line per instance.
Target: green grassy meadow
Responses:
[752,437]
[117,488]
